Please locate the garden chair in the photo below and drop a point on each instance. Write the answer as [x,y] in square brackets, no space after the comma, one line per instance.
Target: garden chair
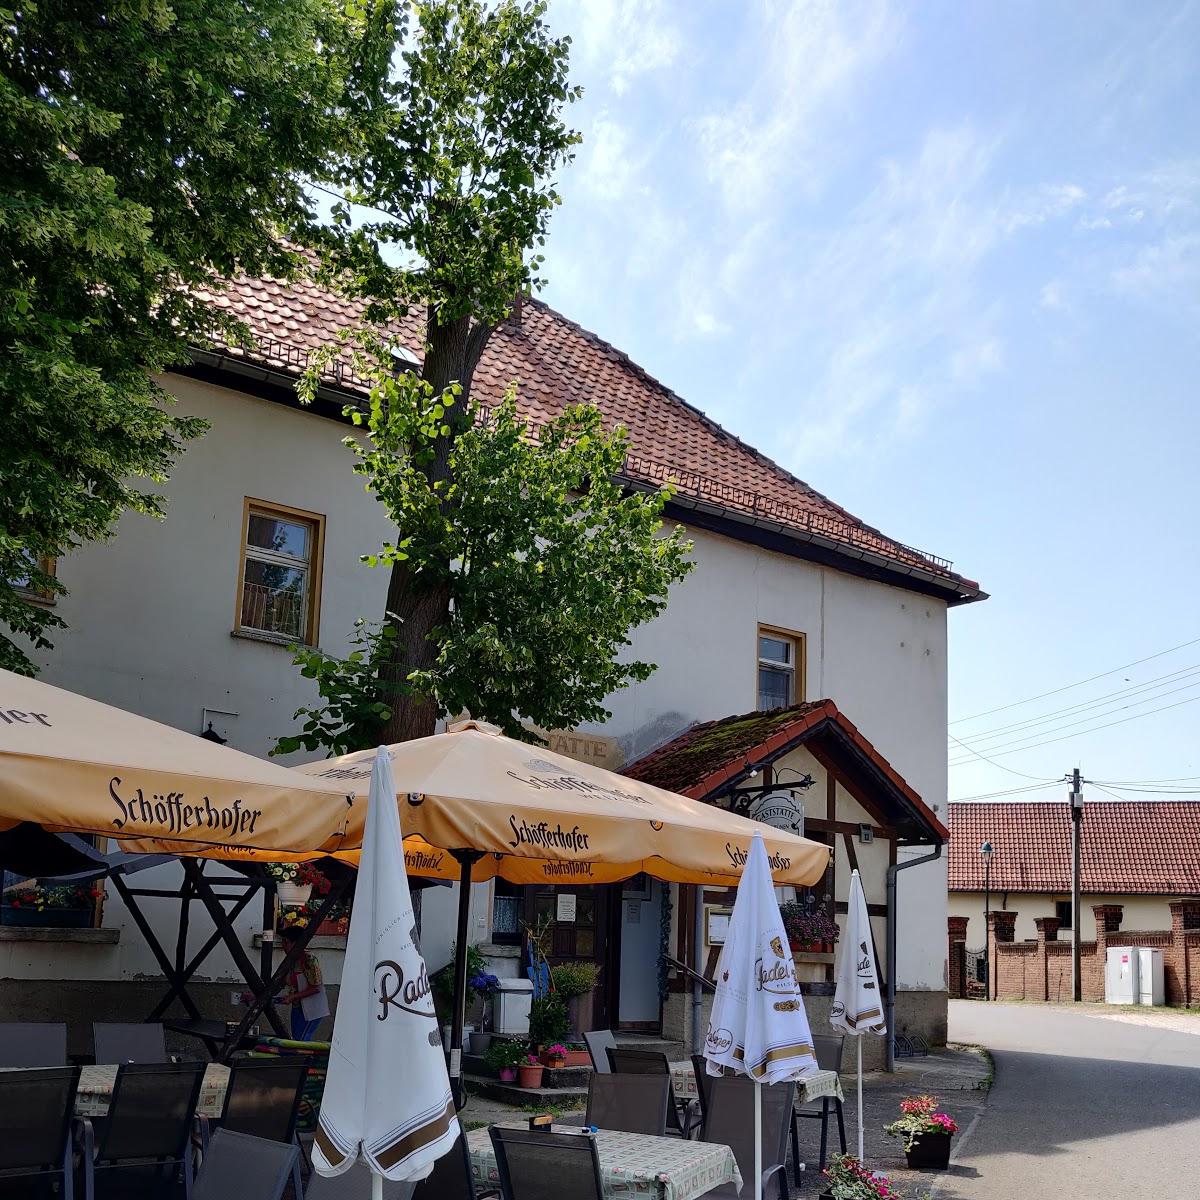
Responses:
[238,1166]
[629,1103]
[537,1165]
[451,1178]
[730,1122]
[700,1070]
[36,1109]
[145,1142]
[598,1043]
[263,1101]
[683,1116]
[33,1044]
[129,1042]
[829,1050]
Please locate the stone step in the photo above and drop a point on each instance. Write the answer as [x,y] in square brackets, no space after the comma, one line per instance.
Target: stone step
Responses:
[567,1099]
[647,1041]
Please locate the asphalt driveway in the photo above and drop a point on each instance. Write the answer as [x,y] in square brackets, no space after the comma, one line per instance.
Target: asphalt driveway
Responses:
[1085,1106]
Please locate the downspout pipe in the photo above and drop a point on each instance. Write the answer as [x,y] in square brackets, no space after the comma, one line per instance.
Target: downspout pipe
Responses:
[892,872]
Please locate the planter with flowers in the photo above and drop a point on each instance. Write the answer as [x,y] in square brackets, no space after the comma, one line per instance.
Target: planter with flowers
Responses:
[295,883]
[554,1055]
[847,1179]
[810,929]
[484,985]
[926,1133]
[504,1056]
[529,1073]
[68,906]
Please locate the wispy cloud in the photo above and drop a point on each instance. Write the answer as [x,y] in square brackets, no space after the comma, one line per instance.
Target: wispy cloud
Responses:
[622,38]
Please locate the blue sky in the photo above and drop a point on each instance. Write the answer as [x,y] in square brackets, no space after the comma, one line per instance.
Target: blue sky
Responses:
[943,262]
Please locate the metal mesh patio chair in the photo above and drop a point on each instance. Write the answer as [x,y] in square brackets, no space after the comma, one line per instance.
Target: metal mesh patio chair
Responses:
[129,1042]
[829,1050]
[450,1178]
[629,1103]
[536,1165]
[36,1109]
[238,1166]
[700,1070]
[263,1101]
[145,1141]
[731,1122]
[33,1044]
[683,1116]
[598,1043]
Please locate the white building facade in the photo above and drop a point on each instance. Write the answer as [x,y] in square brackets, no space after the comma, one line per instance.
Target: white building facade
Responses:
[265,526]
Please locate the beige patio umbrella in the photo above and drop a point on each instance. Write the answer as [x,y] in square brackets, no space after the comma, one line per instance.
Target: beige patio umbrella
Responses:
[72,764]
[534,816]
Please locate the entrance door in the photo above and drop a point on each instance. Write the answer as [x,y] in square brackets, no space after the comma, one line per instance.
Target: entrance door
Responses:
[640,946]
[580,916]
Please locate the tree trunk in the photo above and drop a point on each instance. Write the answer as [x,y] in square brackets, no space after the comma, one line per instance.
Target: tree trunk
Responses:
[415,606]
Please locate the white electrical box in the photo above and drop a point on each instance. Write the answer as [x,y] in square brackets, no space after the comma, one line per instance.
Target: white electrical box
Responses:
[512,1006]
[1121,975]
[1151,986]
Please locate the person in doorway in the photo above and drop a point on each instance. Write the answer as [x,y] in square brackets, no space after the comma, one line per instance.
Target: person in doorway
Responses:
[305,991]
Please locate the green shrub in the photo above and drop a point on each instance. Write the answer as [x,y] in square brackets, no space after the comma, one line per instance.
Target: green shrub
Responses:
[575,979]
[548,1020]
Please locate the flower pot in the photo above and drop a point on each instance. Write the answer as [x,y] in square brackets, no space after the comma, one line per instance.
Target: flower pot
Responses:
[508,1074]
[554,1062]
[293,895]
[578,1058]
[46,918]
[478,1043]
[530,1076]
[338,927]
[930,1152]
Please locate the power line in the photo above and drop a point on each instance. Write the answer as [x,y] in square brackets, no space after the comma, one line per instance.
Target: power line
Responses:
[1035,787]
[1067,736]
[1154,791]
[1069,686]
[1096,702]
[1036,732]
[984,757]
[1139,782]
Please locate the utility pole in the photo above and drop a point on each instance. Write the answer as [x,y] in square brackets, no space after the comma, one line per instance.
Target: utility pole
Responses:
[1076,799]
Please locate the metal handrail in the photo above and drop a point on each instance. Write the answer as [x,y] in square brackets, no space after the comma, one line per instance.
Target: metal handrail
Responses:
[694,976]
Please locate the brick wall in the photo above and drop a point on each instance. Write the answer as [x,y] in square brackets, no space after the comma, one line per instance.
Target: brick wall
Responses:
[1041,969]
[956,957]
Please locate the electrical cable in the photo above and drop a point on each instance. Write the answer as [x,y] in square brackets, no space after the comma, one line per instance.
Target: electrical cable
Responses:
[984,757]
[1034,787]
[1080,683]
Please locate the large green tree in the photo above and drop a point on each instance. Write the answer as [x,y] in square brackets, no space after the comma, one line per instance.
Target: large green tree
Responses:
[454,174]
[147,148]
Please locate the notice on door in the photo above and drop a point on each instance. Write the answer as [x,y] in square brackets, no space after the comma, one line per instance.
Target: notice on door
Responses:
[566,907]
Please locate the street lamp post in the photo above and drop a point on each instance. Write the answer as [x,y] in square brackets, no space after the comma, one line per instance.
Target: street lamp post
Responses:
[985,852]
[1076,822]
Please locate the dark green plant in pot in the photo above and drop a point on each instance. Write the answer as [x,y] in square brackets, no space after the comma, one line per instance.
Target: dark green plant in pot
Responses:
[574,979]
[505,1053]
[548,1020]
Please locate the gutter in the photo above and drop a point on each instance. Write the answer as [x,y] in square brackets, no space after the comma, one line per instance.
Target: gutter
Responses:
[893,973]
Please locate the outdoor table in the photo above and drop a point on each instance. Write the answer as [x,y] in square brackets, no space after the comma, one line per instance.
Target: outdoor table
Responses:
[816,1087]
[96,1089]
[212,1033]
[631,1164]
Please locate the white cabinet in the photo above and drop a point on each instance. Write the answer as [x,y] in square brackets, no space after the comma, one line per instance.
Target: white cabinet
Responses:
[1151,988]
[1121,975]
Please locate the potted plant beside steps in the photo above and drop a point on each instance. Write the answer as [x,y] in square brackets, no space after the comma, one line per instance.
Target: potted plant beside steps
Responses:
[504,1056]
[926,1133]
[847,1179]
[529,1073]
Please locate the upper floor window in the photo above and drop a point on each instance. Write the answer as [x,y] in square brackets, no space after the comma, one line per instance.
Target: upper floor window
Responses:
[30,586]
[780,668]
[280,592]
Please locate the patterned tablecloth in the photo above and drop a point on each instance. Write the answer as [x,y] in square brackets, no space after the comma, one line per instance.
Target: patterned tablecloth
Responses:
[632,1164]
[815,1087]
[96,1089]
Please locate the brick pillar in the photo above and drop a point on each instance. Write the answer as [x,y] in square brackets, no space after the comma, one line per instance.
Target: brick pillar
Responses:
[956,937]
[1047,931]
[1108,920]
[1183,912]
[1002,927]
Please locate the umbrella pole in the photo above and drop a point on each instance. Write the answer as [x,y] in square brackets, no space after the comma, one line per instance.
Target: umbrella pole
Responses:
[377,1184]
[466,859]
[858,1043]
[757,1140]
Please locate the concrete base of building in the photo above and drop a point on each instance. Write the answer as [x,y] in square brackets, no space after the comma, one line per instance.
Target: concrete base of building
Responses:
[79,1002]
[922,1013]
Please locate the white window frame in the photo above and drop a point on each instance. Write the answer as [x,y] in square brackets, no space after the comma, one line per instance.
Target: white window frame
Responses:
[794,669]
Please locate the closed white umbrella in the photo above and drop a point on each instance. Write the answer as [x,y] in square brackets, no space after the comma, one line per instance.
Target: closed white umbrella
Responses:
[387,1097]
[758,1025]
[857,1004]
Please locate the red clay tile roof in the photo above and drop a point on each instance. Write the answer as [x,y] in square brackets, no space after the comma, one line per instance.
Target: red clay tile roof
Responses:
[702,760]
[557,363]
[1126,847]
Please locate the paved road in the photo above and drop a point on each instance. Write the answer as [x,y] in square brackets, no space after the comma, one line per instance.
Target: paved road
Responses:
[1084,1107]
